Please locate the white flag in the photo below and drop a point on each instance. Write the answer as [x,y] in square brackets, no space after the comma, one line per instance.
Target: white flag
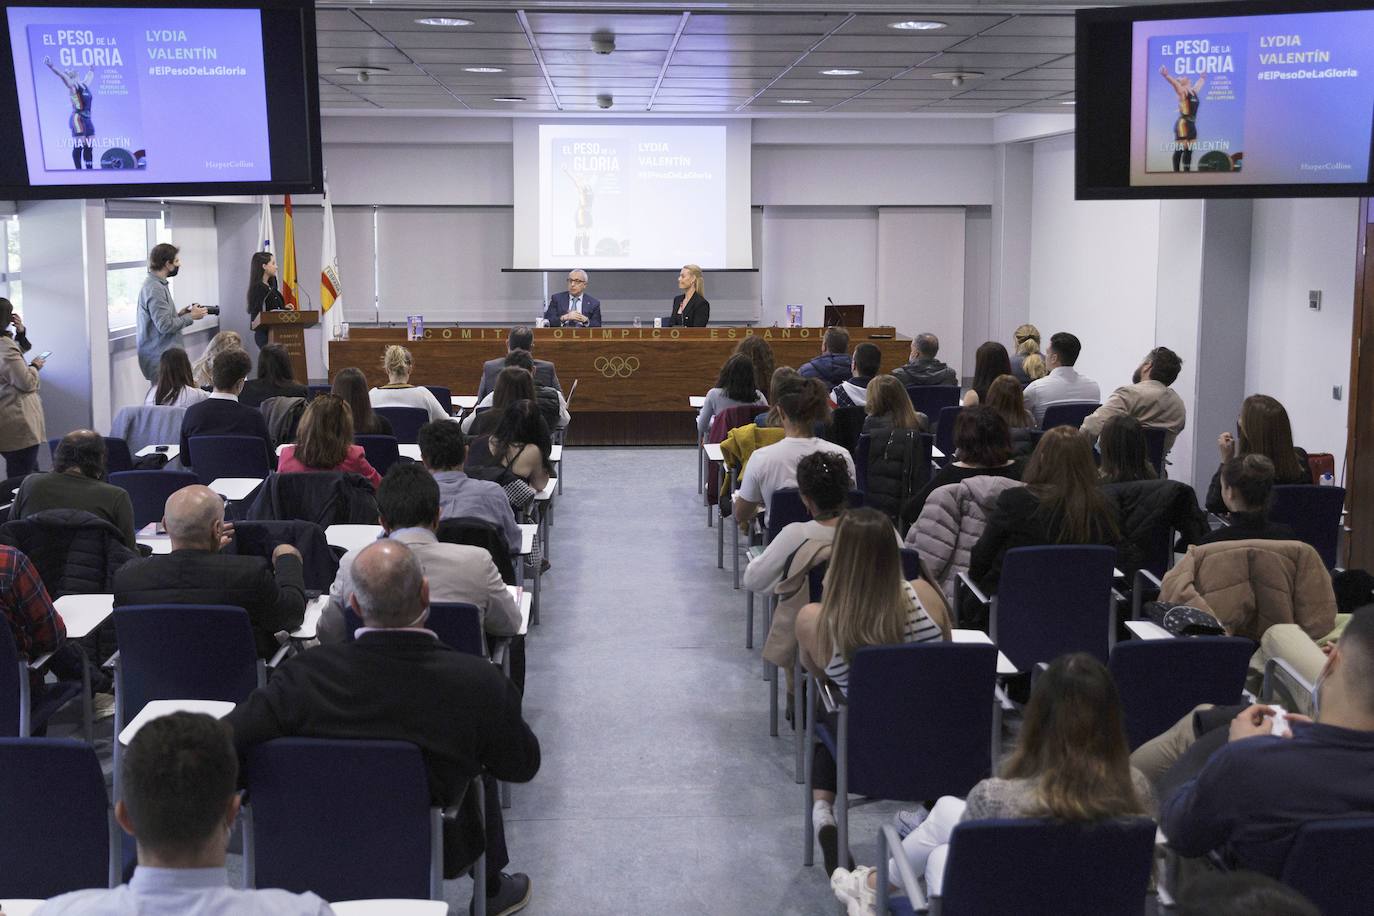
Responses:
[331,290]
[266,240]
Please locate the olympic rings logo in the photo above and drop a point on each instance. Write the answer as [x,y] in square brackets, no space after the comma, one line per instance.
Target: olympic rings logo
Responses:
[614,366]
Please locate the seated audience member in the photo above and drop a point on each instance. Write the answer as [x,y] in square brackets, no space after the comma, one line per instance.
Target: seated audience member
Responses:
[1246,485]
[275,378]
[761,355]
[833,365]
[889,407]
[552,406]
[1063,383]
[1245,792]
[982,448]
[512,384]
[408,507]
[801,404]
[223,341]
[1061,503]
[520,444]
[1071,764]
[1242,893]
[868,360]
[782,377]
[180,802]
[866,602]
[924,368]
[221,414]
[443,449]
[1034,367]
[324,442]
[1005,398]
[1263,429]
[397,682]
[734,388]
[351,385]
[1148,398]
[519,339]
[195,572]
[1026,341]
[398,392]
[34,623]
[175,385]
[989,361]
[1125,453]
[77,481]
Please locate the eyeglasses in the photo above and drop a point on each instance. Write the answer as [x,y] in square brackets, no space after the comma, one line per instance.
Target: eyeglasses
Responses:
[576,280]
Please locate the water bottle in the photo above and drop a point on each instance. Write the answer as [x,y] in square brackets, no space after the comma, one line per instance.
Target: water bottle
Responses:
[1328,481]
[343,330]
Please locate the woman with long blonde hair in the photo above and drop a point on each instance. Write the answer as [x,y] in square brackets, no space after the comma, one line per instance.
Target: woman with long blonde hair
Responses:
[1027,341]
[205,366]
[888,406]
[690,308]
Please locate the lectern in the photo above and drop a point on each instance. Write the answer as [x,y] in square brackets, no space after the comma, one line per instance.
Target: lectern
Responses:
[845,316]
[287,328]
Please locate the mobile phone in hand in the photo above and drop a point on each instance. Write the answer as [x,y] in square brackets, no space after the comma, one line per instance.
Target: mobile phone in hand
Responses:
[45,354]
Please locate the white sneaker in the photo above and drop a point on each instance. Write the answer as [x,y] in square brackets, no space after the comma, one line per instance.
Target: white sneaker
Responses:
[907,821]
[851,888]
[102,706]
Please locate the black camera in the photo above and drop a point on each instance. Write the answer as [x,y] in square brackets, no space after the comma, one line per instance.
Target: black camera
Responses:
[212,310]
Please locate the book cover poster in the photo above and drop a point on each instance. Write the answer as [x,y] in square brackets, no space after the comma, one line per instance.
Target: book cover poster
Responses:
[415,327]
[1195,120]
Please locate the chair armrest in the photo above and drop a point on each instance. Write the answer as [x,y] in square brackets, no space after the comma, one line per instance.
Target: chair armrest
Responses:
[37,664]
[888,843]
[830,695]
[280,655]
[977,592]
[498,648]
[112,661]
[1270,666]
[1149,577]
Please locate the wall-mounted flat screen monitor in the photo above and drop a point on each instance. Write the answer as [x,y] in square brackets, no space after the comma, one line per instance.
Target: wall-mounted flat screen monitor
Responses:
[1225,100]
[132,98]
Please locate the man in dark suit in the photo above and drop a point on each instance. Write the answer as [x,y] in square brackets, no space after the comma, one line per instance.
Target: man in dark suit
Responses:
[221,414]
[519,339]
[397,682]
[574,309]
[195,572]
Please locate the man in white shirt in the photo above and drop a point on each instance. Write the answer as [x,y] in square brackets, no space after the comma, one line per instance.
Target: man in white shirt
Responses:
[180,802]
[1063,383]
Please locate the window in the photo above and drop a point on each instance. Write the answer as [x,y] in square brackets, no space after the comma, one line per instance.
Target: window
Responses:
[10,286]
[128,239]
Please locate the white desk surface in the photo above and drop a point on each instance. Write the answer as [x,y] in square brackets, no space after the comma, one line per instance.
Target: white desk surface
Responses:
[409,450]
[527,535]
[17,907]
[385,907]
[1004,665]
[556,454]
[234,488]
[697,400]
[83,613]
[464,401]
[310,624]
[158,708]
[935,452]
[1145,629]
[351,537]
[160,543]
[713,451]
[522,601]
[546,494]
[171,451]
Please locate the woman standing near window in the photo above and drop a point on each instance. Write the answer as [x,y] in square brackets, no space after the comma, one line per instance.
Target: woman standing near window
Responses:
[262,292]
[21,411]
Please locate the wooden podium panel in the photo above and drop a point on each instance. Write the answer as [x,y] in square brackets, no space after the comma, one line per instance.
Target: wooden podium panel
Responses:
[633,383]
[287,327]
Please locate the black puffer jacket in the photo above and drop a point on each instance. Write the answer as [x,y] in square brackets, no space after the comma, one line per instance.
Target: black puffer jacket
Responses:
[1148,511]
[923,371]
[323,497]
[898,466]
[75,552]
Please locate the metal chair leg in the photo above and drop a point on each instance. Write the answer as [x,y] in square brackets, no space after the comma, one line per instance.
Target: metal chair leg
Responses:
[720,543]
[768,605]
[808,837]
[701,468]
[801,715]
[749,620]
[772,701]
[734,539]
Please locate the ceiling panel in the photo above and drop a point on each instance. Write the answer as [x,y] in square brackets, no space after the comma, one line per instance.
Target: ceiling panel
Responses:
[764,24]
[624,43]
[459,38]
[470,57]
[334,57]
[616,23]
[337,19]
[404,21]
[737,43]
[1060,26]
[955,25]
[358,39]
[987,44]
[589,58]
[917,43]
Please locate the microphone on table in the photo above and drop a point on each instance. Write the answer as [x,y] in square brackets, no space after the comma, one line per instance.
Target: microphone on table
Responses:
[828,299]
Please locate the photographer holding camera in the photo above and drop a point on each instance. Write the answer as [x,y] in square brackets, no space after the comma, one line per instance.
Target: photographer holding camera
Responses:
[159,322]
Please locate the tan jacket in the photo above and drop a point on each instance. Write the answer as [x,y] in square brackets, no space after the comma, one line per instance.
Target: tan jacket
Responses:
[21,411]
[794,592]
[1252,585]
[1152,403]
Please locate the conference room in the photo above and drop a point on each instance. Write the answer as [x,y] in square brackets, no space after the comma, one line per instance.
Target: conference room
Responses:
[508,297]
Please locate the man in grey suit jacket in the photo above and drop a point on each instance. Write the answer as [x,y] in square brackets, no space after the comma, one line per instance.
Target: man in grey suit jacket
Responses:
[520,339]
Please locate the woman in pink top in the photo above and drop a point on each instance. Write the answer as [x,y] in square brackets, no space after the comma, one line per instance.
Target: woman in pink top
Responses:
[324,442]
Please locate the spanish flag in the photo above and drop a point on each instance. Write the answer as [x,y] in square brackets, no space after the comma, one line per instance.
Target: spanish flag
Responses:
[289,288]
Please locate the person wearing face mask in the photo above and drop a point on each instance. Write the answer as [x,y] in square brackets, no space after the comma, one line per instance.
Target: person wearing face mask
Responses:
[21,410]
[690,308]
[262,292]
[159,322]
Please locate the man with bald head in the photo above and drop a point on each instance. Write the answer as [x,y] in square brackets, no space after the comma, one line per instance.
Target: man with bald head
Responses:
[195,572]
[396,681]
[574,309]
[77,482]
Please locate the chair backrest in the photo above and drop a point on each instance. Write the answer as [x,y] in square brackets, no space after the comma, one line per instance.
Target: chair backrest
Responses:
[1314,513]
[721,424]
[183,651]
[405,421]
[319,563]
[846,423]
[10,672]
[931,399]
[478,532]
[317,390]
[900,698]
[381,451]
[370,799]
[229,456]
[1052,600]
[1067,413]
[1154,446]
[816,580]
[149,490]
[1044,868]
[944,430]
[861,448]
[117,455]
[1318,865]
[56,815]
[785,507]
[911,563]
[458,626]
[443,395]
[1161,680]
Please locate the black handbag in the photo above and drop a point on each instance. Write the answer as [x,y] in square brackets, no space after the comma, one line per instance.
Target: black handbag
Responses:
[1183,620]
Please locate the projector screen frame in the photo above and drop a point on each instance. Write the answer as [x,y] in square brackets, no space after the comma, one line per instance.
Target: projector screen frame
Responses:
[308,75]
[1102,120]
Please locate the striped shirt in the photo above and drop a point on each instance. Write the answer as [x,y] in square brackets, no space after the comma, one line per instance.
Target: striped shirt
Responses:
[918,628]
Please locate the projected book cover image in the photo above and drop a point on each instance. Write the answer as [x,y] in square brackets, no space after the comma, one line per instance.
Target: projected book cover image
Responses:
[86,91]
[589,205]
[1195,119]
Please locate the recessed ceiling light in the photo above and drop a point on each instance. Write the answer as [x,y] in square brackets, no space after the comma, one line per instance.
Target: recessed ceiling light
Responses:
[957,74]
[794,101]
[918,25]
[443,21]
[838,71]
[484,70]
[361,70]
[1069,102]
[509,98]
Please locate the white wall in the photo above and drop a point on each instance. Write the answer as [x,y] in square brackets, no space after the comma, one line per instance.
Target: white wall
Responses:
[921,272]
[811,253]
[1295,354]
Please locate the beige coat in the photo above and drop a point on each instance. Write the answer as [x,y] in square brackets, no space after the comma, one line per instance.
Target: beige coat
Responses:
[1252,585]
[21,411]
